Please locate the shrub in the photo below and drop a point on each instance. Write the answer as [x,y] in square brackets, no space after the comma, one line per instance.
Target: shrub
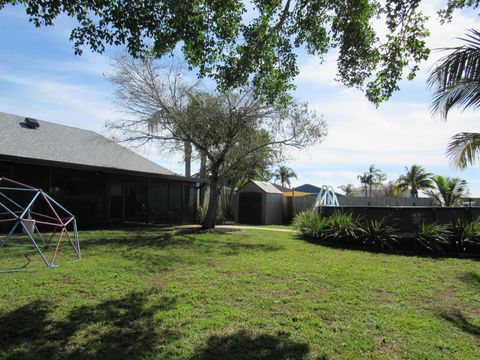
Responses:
[466,235]
[310,224]
[342,227]
[433,237]
[377,234]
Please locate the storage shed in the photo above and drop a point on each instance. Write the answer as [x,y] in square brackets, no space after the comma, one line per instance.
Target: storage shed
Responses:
[259,203]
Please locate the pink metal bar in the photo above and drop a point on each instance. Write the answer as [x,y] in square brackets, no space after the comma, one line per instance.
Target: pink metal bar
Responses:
[18,183]
[69,221]
[73,245]
[5,220]
[57,247]
[45,216]
[51,208]
[45,223]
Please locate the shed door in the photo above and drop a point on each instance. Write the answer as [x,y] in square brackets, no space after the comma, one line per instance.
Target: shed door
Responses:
[250,208]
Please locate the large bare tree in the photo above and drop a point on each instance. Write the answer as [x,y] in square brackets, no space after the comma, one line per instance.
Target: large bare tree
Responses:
[228,128]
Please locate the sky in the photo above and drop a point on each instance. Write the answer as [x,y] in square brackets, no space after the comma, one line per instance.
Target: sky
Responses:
[41,77]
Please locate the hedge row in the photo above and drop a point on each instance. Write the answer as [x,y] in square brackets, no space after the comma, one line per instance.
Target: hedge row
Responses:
[459,237]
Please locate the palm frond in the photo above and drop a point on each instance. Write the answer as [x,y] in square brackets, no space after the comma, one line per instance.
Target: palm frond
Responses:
[464,149]
[456,78]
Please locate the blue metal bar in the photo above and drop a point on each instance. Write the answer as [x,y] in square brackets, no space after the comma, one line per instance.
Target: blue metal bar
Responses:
[8,210]
[9,235]
[56,203]
[16,189]
[75,235]
[13,202]
[29,205]
[39,233]
[36,246]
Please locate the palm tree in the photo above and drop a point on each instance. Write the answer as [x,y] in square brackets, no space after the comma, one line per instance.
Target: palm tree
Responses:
[464,149]
[284,174]
[392,189]
[456,80]
[372,177]
[449,191]
[415,179]
[347,189]
[364,179]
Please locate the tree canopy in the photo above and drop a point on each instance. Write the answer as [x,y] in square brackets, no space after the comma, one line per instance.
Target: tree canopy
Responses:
[256,43]
[230,129]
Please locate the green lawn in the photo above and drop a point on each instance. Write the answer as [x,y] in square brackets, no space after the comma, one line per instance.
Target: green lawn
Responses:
[237,295]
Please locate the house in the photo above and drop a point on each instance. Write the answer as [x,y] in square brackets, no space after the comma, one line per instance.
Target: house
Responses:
[98,180]
[308,188]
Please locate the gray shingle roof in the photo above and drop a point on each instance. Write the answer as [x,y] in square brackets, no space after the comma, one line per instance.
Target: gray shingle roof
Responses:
[71,145]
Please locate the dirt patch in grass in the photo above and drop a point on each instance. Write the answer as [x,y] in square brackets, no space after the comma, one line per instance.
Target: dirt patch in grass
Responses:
[156,283]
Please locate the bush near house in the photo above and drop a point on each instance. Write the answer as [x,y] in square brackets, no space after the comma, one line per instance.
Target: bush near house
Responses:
[461,236]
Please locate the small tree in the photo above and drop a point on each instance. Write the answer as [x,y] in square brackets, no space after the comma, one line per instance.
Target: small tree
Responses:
[347,189]
[416,178]
[372,177]
[284,174]
[364,180]
[228,128]
[448,191]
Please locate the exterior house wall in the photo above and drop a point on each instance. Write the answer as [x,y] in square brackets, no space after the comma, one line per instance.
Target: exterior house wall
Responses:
[99,198]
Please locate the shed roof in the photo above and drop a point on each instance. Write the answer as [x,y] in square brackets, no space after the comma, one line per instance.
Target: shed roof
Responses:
[267,187]
[66,144]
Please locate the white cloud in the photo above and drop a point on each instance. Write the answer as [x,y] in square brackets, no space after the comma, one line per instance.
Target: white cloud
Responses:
[318,73]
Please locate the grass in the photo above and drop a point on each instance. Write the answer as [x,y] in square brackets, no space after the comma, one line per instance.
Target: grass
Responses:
[164,294]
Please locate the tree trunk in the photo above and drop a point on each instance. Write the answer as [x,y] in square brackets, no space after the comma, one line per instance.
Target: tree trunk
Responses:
[210,218]
[188,158]
[203,175]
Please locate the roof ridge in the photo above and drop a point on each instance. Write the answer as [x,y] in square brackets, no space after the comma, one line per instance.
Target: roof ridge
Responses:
[142,162]
[50,122]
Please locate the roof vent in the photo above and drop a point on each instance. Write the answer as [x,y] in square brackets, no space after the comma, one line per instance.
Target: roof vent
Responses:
[31,123]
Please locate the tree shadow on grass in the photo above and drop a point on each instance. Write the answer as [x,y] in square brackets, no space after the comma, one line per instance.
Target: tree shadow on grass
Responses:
[221,242]
[244,345]
[471,278]
[117,328]
[459,320]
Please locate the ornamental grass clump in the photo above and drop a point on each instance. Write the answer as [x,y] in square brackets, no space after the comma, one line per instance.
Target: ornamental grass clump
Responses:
[310,224]
[342,228]
[378,234]
[433,237]
[466,235]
